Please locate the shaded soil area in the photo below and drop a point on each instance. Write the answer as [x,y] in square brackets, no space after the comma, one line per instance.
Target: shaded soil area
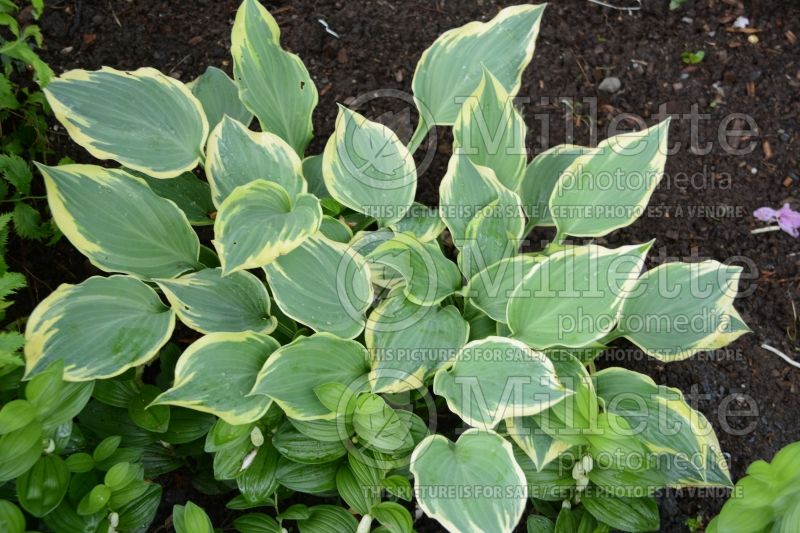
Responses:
[702,209]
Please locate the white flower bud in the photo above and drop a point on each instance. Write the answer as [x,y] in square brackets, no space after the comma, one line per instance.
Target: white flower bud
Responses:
[256,437]
[248,459]
[587,463]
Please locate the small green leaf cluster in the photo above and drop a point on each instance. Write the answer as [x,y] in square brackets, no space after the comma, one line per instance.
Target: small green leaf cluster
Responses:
[329,328]
[23,116]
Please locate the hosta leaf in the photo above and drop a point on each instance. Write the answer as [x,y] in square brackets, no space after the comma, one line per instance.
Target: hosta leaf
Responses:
[323,284]
[230,358]
[679,309]
[609,186]
[188,192]
[209,302]
[335,229]
[490,289]
[477,459]
[541,447]
[540,179]
[408,342]
[422,221]
[153,418]
[273,84]
[260,221]
[494,234]
[491,132]
[367,168]
[236,156]
[463,192]
[219,96]
[379,427]
[573,298]
[292,373]
[99,328]
[429,277]
[452,67]
[691,441]
[143,119]
[497,378]
[119,223]
[312,172]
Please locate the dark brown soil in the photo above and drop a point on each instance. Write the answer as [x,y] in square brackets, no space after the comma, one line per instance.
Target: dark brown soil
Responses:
[580,44]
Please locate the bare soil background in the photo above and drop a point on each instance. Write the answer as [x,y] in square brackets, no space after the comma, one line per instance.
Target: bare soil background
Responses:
[580,44]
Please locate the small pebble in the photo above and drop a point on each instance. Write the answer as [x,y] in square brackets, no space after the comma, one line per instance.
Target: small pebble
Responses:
[610,85]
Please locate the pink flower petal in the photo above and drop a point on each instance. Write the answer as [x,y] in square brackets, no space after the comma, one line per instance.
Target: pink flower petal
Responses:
[789,217]
[767,214]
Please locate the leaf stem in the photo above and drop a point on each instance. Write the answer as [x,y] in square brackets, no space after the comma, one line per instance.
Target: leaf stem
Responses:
[419,135]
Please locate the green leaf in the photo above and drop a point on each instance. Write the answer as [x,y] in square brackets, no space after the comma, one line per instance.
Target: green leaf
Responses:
[422,221]
[453,65]
[323,284]
[42,488]
[367,168]
[283,223]
[219,96]
[491,132]
[209,302]
[256,523]
[292,373]
[359,497]
[541,447]
[541,177]
[335,230]
[19,450]
[477,460]
[55,401]
[300,448]
[539,524]
[66,518]
[260,479]
[428,276]
[678,309]
[11,518]
[319,479]
[191,519]
[106,448]
[80,463]
[119,223]
[99,328]
[16,171]
[490,289]
[398,486]
[137,515]
[273,84]
[28,222]
[393,516]
[625,514]
[191,194]
[312,172]
[497,378]
[143,119]
[95,501]
[236,156]
[573,297]
[328,519]
[153,418]
[16,414]
[230,358]
[379,427]
[608,187]
[409,342]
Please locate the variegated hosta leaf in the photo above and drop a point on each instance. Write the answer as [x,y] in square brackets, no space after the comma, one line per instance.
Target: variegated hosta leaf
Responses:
[219,96]
[541,447]
[451,68]
[497,378]
[190,193]
[365,242]
[209,302]
[491,132]
[608,187]
[273,84]
[573,298]
[540,179]
[368,169]
[323,284]
[259,222]
[312,172]
[493,235]
[119,223]
[490,289]
[463,192]
[293,372]
[422,221]
[99,328]
[679,309]
[142,119]
[471,467]
[408,342]
[429,277]
[236,156]
[335,230]
[379,427]
[690,441]
[216,373]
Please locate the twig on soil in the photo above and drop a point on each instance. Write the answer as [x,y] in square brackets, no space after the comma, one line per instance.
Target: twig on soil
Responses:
[782,355]
[611,6]
[766,229]
[114,14]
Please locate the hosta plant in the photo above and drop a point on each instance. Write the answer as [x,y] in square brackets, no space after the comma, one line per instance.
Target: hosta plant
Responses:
[340,349]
